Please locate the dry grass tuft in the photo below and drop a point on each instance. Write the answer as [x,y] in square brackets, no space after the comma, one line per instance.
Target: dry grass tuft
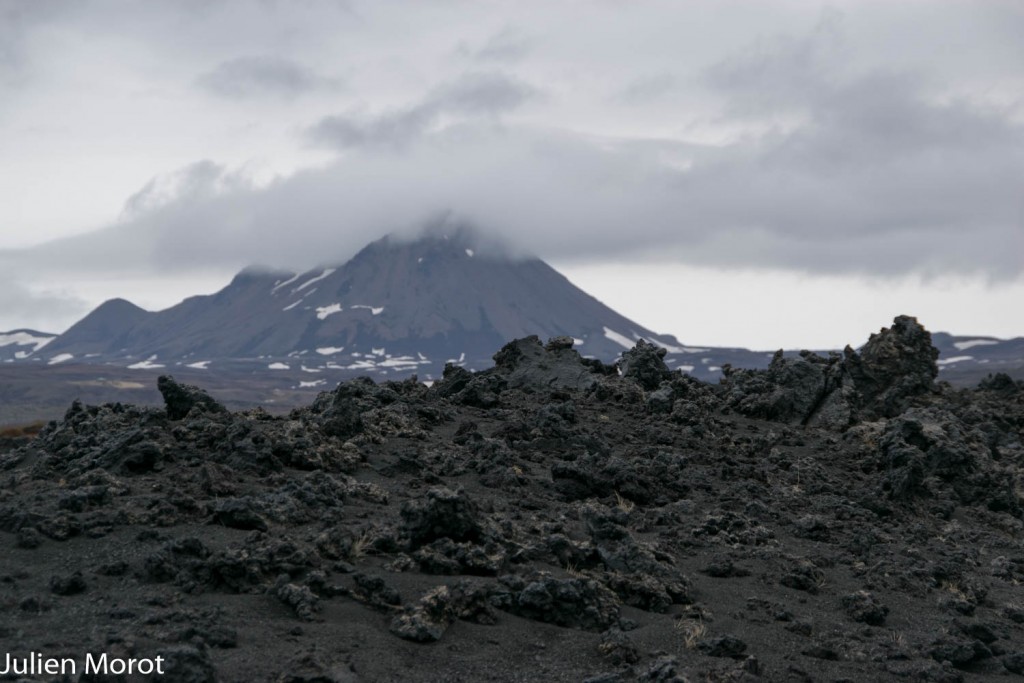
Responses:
[692,631]
[30,430]
[359,546]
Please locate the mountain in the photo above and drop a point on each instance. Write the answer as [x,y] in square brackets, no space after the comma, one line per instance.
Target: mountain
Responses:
[964,359]
[22,343]
[102,331]
[396,306]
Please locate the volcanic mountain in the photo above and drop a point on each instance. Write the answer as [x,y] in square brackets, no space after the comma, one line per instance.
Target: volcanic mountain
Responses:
[398,305]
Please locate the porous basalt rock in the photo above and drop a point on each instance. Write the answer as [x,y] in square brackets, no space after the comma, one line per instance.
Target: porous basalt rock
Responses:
[645,364]
[636,527]
[896,365]
[181,399]
[441,513]
[526,363]
[577,603]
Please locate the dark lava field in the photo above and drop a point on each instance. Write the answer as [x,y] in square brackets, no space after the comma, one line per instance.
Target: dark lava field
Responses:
[841,518]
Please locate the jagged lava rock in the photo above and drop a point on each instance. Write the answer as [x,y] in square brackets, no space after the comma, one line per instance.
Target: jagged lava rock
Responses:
[182,398]
[548,519]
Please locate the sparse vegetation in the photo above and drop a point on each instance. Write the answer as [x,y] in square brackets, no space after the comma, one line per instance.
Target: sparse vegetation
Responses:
[624,504]
[360,545]
[23,431]
[692,632]
[574,571]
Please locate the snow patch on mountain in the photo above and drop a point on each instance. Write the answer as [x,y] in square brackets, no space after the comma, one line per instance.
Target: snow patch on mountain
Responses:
[375,310]
[322,312]
[284,283]
[278,366]
[60,358]
[620,339]
[671,348]
[327,273]
[22,338]
[147,364]
[971,343]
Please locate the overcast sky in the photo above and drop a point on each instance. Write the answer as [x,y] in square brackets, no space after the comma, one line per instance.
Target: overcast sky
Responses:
[735,173]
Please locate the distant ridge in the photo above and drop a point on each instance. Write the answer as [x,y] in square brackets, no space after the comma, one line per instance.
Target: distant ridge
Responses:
[399,307]
[21,343]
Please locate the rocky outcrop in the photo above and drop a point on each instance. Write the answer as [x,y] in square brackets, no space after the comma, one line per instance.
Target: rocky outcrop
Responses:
[895,366]
[553,518]
[181,399]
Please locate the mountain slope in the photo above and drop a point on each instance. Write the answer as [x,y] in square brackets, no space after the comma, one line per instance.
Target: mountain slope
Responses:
[433,299]
[22,343]
[402,307]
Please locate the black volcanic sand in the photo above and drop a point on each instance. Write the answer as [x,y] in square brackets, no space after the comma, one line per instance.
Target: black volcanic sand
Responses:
[551,519]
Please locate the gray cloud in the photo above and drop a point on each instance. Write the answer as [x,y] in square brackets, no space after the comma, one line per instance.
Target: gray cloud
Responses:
[197,182]
[17,21]
[24,307]
[644,89]
[507,45]
[783,71]
[263,75]
[839,166]
[474,94]
[878,180]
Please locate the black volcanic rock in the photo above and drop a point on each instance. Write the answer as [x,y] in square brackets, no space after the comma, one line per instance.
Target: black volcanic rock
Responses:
[645,363]
[443,513]
[643,526]
[182,398]
[528,363]
[894,367]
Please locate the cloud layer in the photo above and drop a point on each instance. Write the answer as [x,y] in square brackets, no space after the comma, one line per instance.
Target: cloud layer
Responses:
[263,75]
[860,174]
[782,136]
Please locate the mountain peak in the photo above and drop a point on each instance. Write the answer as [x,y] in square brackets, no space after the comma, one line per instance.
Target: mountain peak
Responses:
[401,304]
[118,305]
[443,241]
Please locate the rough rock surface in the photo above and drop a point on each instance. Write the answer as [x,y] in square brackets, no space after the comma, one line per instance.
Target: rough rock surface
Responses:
[895,365]
[553,518]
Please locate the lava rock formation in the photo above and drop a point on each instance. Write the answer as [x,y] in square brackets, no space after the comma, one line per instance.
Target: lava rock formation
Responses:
[552,518]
